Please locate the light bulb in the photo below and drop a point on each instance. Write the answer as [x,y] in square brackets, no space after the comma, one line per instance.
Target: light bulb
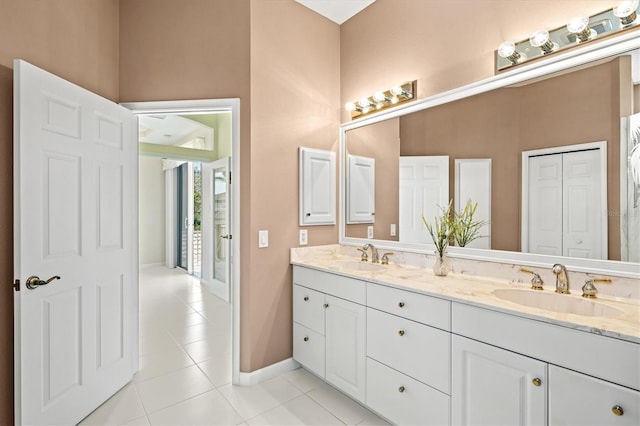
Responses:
[626,11]
[580,27]
[577,25]
[541,39]
[364,102]
[396,90]
[379,96]
[350,106]
[394,100]
[507,49]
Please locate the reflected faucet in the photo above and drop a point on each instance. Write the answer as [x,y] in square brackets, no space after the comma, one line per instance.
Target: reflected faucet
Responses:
[374,252]
[562,278]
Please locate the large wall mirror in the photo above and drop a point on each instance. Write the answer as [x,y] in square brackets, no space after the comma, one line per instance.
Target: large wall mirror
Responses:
[551,142]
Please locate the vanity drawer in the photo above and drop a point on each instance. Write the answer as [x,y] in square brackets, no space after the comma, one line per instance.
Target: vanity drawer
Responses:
[403,400]
[308,308]
[308,349]
[414,306]
[414,349]
[577,399]
[333,284]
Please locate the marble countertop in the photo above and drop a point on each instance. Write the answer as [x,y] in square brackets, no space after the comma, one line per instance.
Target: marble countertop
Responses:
[478,291]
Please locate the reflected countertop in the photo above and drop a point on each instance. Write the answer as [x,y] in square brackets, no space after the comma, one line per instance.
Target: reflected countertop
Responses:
[477,291]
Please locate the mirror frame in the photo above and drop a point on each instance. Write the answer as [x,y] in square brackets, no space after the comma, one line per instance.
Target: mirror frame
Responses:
[603,49]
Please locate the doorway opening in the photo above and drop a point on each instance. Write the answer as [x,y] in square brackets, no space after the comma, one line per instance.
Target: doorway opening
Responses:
[205,247]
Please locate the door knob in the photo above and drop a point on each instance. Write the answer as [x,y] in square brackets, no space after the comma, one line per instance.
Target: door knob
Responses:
[226,237]
[34,281]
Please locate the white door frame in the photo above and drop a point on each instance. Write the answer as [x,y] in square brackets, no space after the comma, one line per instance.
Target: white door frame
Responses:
[602,146]
[205,106]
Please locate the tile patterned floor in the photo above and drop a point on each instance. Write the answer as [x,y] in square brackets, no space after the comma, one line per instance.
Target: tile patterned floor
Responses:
[185,370]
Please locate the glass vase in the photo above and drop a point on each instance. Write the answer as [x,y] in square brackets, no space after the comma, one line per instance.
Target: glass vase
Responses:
[442,266]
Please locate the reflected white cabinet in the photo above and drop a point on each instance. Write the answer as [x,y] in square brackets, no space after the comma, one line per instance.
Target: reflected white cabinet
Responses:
[492,386]
[578,399]
[329,330]
[317,187]
[361,182]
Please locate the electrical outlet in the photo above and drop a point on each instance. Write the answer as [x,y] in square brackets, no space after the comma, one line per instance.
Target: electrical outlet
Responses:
[263,239]
[392,232]
[303,237]
[369,232]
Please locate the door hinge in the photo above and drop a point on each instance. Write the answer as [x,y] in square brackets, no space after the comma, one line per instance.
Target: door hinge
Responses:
[229,178]
[16,285]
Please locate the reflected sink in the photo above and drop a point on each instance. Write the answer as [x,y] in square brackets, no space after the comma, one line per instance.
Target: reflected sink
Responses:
[555,302]
[359,266]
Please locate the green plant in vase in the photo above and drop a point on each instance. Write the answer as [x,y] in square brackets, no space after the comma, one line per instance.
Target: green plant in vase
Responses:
[466,229]
[442,231]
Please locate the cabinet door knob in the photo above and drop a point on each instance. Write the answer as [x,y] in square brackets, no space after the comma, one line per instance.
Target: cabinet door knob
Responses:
[306,298]
[617,410]
[401,333]
[306,338]
[401,305]
[401,389]
[326,305]
[536,382]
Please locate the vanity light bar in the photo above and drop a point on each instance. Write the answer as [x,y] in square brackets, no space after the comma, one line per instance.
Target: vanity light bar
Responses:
[578,31]
[382,100]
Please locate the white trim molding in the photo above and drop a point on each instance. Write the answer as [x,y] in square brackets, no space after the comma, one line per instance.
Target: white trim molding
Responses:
[268,372]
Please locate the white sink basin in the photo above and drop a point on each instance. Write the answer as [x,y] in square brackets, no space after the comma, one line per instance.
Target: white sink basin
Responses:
[359,266]
[555,302]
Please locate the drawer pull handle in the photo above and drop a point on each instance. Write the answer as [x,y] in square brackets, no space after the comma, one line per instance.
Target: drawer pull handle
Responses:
[401,333]
[306,338]
[617,410]
[326,305]
[401,389]
[306,298]
[536,382]
[401,305]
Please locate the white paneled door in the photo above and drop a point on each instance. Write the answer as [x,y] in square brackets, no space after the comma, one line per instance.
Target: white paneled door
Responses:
[75,227]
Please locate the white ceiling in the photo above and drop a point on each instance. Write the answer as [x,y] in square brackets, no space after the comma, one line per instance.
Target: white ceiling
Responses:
[338,11]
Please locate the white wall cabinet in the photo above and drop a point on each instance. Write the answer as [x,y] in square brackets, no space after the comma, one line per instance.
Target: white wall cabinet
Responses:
[361,193]
[492,386]
[578,399]
[317,187]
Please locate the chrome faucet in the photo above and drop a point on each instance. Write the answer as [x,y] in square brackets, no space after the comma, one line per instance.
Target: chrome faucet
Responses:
[562,278]
[374,252]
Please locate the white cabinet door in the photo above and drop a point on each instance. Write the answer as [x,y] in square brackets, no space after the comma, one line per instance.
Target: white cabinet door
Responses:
[361,189]
[491,386]
[577,399]
[345,346]
[317,187]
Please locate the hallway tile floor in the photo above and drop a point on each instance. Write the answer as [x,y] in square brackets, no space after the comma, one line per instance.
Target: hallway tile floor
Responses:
[185,370]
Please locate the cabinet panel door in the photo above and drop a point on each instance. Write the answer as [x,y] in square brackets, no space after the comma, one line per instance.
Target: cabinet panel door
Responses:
[577,399]
[403,400]
[317,187]
[491,386]
[308,349]
[345,346]
[414,349]
[308,308]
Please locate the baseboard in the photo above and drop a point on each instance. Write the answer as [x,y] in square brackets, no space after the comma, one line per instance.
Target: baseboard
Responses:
[217,288]
[268,372]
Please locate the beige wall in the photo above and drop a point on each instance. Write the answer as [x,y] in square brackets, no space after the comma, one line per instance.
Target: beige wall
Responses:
[295,101]
[77,40]
[151,210]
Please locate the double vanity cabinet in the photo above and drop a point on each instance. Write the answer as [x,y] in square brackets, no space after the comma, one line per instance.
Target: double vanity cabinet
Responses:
[421,359]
